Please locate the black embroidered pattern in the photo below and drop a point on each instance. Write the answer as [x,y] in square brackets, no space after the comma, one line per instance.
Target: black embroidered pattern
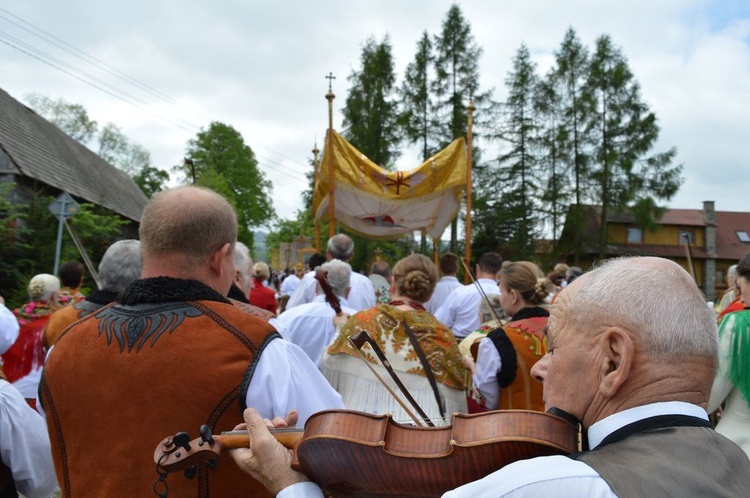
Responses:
[135,326]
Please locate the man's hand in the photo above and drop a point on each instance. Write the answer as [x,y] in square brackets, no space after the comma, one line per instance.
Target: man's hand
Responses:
[266,459]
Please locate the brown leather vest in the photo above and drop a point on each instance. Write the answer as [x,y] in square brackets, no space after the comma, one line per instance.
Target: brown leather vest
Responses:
[127,376]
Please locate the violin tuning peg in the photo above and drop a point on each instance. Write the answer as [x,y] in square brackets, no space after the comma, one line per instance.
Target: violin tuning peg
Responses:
[212,464]
[182,440]
[207,434]
[191,472]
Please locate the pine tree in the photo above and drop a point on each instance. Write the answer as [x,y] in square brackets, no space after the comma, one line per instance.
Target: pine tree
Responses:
[519,173]
[371,114]
[417,108]
[625,131]
[456,84]
[570,141]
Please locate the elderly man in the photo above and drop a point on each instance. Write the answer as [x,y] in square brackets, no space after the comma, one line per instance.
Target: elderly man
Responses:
[310,325]
[460,310]
[243,283]
[362,294]
[634,368]
[172,354]
[120,266]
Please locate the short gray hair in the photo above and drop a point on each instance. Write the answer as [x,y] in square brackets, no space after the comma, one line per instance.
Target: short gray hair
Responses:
[630,292]
[120,266]
[338,276]
[242,261]
[341,247]
[41,287]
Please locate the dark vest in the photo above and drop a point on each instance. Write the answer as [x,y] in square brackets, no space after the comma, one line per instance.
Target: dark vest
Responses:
[129,375]
[668,460]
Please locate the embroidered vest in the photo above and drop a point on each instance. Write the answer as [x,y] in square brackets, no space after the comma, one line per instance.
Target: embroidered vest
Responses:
[527,338]
[671,459]
[127,376]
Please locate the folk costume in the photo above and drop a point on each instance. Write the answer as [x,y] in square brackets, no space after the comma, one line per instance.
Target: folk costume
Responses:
[23,362]
[501,381]
[63,317]
[171,355]
[732,383]
[386,324]
[69,295]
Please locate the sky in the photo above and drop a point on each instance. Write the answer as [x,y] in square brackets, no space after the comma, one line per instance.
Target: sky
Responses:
[164,70]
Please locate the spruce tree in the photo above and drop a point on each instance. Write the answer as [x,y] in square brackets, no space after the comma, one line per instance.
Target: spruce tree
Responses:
[625,130]
[371,112]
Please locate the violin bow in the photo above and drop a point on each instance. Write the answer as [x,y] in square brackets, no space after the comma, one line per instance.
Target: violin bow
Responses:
[322,277]
[359,340]
[479,288]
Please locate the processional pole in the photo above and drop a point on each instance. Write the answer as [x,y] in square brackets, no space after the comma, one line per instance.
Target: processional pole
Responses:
[316,167]
[470,111]
[329,157]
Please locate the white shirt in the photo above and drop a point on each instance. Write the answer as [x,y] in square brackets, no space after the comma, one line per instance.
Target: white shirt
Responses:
[460,312]
[361,295]
[290,284]
[443,288]
[9,329]
[310,326]
[24,445]
[485,378]
[546,477]
[285,379]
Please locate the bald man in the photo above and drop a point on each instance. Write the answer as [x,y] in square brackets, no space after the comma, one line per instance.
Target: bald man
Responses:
[634,367]
[173,354]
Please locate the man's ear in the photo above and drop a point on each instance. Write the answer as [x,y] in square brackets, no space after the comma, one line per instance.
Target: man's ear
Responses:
[619,351]
[216,260]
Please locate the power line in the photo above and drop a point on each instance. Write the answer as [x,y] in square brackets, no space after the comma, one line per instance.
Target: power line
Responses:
[62,44]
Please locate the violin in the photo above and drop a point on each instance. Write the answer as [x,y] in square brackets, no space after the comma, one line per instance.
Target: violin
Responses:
[360,455]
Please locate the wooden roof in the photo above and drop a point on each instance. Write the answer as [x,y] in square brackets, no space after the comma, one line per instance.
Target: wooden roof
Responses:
[40,150]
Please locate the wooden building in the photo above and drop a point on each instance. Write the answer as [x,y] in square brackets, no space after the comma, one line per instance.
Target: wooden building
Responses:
[715,239]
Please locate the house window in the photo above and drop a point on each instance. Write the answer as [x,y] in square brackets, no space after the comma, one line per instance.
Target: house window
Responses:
[635,235]
[743,236]
[686,234]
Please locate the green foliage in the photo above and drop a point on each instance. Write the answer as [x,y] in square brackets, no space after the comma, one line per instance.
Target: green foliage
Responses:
[151,180]
[417,115]
[370,115]
[72,119]
[113,146]
[624,131]
[223,162]
[29,234]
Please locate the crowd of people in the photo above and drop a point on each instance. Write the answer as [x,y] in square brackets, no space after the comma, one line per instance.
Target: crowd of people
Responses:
[183,334]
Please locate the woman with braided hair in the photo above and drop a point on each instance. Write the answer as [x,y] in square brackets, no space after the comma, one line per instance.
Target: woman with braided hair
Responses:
[390,324]
[501,371]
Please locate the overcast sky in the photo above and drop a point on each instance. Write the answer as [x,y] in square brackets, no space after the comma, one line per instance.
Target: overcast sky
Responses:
[260,67]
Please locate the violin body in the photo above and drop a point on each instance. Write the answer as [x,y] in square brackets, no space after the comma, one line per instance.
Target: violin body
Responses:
[360,455]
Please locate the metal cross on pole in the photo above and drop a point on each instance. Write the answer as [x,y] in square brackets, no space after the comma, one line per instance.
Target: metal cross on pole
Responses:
[330,79]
